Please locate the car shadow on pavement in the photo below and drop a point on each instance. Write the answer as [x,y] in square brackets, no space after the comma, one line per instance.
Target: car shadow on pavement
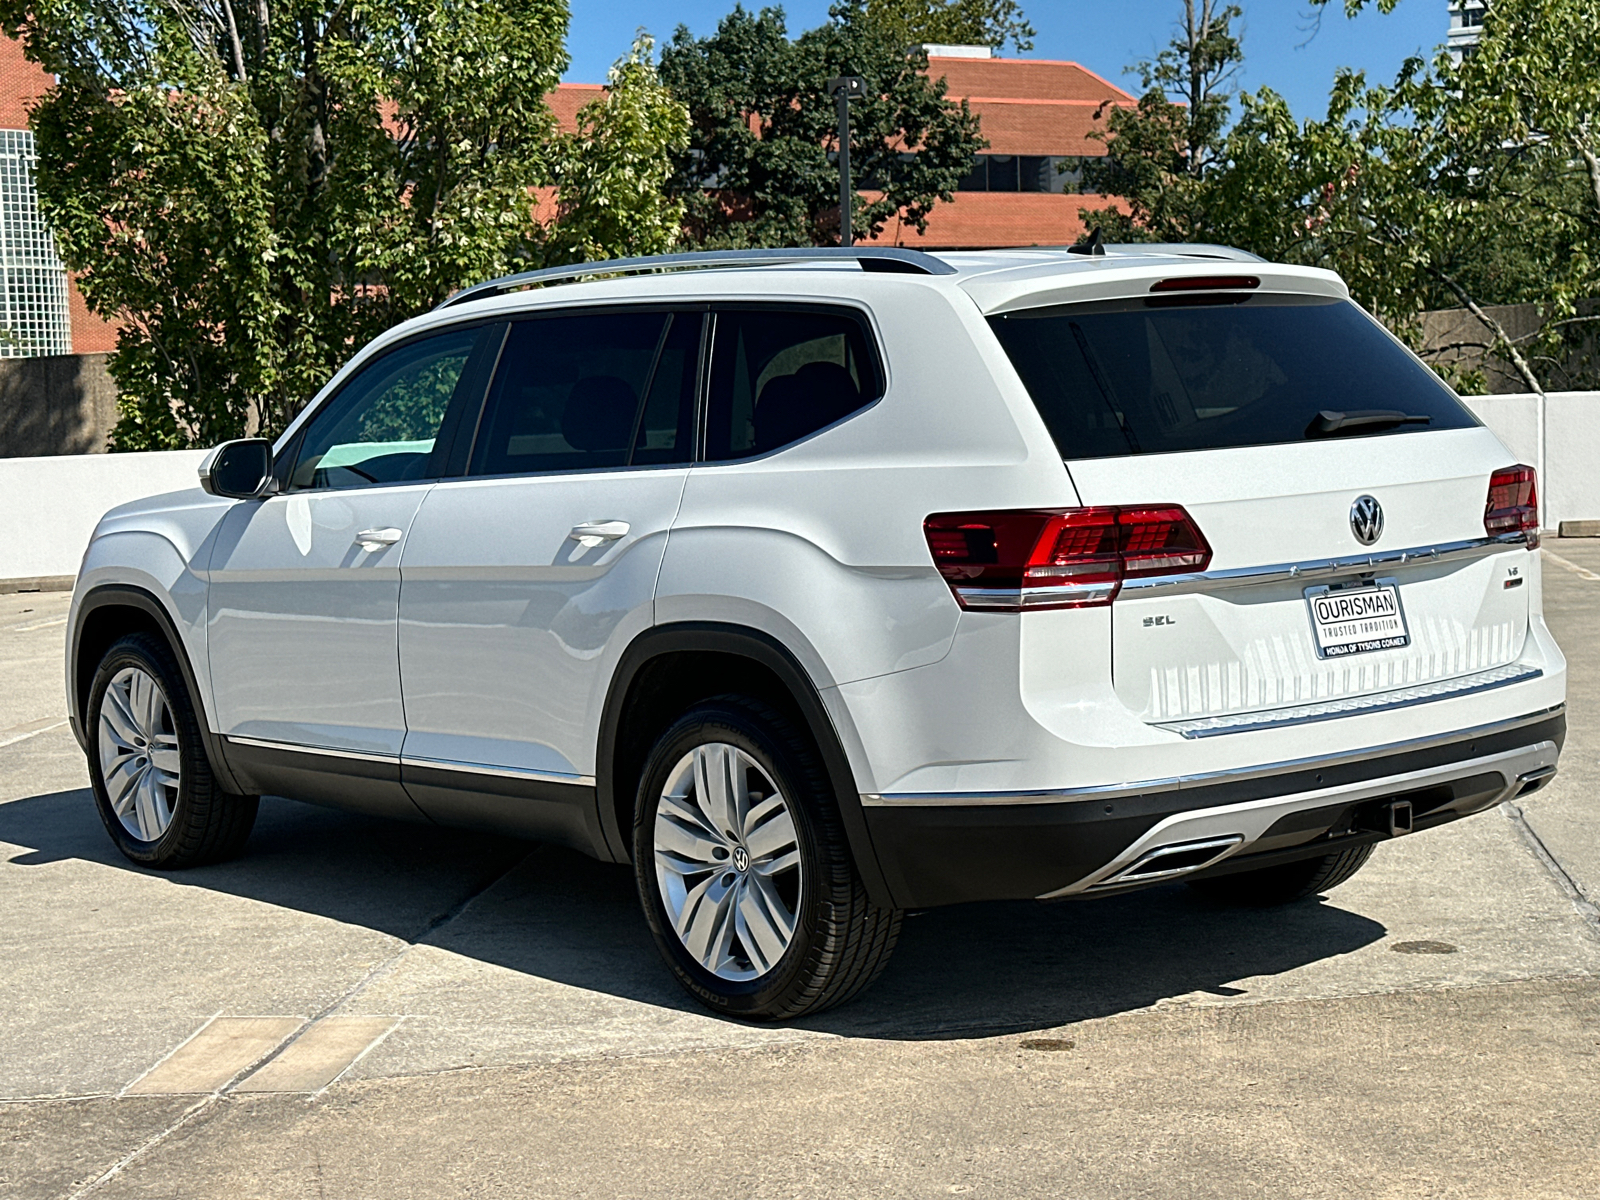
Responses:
[967,971]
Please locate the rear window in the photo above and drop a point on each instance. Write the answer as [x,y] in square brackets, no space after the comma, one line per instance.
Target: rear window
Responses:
[1169,373]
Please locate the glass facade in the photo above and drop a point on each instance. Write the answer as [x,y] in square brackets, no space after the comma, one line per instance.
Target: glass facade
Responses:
[34,318]
[1024,173]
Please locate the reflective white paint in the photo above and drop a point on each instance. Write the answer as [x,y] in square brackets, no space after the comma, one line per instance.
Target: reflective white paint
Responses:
[509,627]
[302,626]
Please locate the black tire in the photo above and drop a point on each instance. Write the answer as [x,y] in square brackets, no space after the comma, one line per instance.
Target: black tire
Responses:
[208,824]
[841,940]
[1287,883]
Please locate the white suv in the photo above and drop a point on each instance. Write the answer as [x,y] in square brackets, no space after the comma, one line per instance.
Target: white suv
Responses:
[823,585]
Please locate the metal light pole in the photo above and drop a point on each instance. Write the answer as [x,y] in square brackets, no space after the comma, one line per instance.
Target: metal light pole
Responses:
[843,89]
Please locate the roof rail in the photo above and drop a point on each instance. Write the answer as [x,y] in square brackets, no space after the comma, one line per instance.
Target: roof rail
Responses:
[871,258]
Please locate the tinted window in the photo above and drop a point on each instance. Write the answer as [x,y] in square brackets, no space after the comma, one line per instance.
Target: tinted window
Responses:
[569,391]
[381,426]
[666,431]
[777,376]
[1165,374]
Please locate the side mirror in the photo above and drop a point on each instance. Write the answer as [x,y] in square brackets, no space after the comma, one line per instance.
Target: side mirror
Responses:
[240,470]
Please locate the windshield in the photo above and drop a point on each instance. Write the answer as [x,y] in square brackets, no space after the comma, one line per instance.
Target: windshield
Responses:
[1189,372]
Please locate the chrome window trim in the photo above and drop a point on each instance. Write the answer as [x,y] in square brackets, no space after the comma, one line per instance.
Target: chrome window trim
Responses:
[1111,791]
[1320,568]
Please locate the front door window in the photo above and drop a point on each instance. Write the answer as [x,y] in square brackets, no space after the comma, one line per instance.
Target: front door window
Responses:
[383,425]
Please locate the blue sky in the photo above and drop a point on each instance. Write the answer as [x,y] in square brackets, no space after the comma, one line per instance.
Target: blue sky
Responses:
[1103,37]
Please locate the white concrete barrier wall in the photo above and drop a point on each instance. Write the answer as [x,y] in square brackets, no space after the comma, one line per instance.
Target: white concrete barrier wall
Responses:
[50,506]
[1560,435]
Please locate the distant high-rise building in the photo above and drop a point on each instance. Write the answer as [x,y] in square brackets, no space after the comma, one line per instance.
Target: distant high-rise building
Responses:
[1466,23]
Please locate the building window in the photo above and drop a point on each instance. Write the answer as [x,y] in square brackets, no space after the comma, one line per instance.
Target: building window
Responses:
[1024,173]
[34,318]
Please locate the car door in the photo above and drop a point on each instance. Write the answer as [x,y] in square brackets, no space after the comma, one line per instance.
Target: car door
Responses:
[523,581]
[305,585]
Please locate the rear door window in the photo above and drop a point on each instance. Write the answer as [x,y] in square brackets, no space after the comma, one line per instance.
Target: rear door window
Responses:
[779,375]
[1172,373]
[587,390]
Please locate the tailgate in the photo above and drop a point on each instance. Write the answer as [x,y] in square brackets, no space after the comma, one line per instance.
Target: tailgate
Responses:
[1431,600]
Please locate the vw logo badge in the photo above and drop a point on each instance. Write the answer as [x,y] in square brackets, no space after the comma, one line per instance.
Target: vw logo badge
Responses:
[1366,520]
[741,859]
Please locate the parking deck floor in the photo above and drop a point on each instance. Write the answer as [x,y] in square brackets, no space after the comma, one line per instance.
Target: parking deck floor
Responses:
[358,1008]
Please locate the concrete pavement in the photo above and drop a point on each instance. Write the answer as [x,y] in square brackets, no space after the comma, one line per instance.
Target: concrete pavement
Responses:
[357,1008]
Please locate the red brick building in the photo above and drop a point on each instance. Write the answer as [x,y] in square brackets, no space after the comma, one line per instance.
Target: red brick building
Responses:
[41,311]
[1024,190]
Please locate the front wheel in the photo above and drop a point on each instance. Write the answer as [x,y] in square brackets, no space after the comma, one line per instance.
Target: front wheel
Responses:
[744,872]
[152,781]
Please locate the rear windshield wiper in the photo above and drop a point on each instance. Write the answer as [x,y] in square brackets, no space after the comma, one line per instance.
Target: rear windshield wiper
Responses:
[1330,423]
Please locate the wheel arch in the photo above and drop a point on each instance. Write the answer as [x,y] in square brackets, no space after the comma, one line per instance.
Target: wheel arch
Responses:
[108,612]
[669,667]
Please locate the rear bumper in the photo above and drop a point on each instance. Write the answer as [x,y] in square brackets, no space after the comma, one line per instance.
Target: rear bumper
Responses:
[948,848]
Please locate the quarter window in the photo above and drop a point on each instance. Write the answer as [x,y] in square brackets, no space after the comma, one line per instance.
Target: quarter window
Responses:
[778,376]
[382,425]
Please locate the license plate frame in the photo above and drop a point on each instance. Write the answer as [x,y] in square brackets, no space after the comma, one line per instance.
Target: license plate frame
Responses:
[1371,626]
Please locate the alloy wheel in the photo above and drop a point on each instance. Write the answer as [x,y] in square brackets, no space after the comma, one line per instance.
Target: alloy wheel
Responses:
[139,757]
[727,861]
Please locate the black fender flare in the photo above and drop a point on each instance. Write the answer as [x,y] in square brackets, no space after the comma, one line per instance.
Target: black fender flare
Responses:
[767,651]
[126,595]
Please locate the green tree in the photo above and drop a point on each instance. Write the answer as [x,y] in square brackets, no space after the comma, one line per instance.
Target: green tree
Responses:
[1458,186]
[613,171]
[758,169]
[953,22]
[256,190]
[1461,185]
[1161,155]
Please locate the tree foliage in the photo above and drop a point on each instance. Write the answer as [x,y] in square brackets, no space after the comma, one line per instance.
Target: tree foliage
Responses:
[1459,185]
[953,22]
[759,167]
[1161,155]
[613,172]
[257,187]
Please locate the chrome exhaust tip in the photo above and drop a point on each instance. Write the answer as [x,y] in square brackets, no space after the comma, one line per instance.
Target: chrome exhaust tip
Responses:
[1171,861]
[1532,781]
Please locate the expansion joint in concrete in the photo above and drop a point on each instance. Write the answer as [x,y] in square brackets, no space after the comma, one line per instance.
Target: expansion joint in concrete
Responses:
[1580,902]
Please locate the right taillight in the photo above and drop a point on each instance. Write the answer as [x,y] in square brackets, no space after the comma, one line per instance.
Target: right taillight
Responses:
[1060,558]
[1513,504]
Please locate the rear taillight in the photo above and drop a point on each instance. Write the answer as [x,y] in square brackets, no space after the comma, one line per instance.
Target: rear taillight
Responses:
[1060,558]
[1513,504]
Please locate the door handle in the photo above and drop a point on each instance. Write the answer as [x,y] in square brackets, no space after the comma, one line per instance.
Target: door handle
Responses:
[376,539]
[592,533]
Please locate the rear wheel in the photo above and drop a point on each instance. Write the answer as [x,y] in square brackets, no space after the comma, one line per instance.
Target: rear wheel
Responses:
[1286,883]
[152,781]
[743,869]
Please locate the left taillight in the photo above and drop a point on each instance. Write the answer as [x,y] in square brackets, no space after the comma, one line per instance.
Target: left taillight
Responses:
[1513,503]
[1060,558]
